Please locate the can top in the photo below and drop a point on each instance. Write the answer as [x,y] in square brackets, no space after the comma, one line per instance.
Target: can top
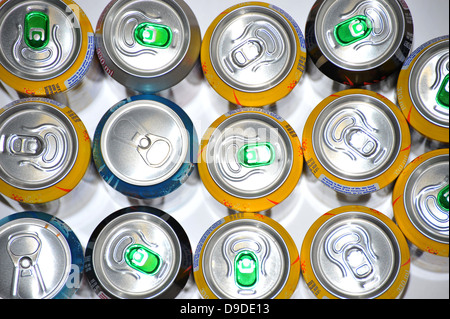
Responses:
[246,258]
[355,255]
[429,84]
[35,259]
[146,38]
[253,48]
[356,137]
[423,214]
[136,255]
[249,155]
[38,144]
[144,142]
[38,40]
[359,35]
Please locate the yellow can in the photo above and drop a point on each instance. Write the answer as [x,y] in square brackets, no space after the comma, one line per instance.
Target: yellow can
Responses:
[246,255]
[356,141]
[50,48]
[250,159]
[46,150]
[253,54]
[355,252]
[422,89]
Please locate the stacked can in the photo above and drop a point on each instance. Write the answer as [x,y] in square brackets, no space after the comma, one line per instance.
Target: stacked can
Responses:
[148,46]
[421,203]
[144,146]
[246,255]
[45,47]
[40,257]
[138,252]
[356,141]
[250,159]
[355,252]
[45,150]
[358,42]
[422,89]
[253,54]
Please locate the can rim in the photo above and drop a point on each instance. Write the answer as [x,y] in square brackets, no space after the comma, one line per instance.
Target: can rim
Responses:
[415,236]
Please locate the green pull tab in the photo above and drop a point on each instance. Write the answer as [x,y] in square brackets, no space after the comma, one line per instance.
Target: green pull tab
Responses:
[36,30]
[256,154]
[442,94]
[143,259]
[246,269]
[352,30]
[443,198]
[153,35]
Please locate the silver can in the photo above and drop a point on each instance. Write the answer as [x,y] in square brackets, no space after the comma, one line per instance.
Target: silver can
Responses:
[40,257]
[148,46]
[356,141]
[421,209]
[359,42]
[355,252]
[138,252]
[246,255]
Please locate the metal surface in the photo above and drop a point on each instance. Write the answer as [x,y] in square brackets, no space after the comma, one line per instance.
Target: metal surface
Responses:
[38,145]
[253,48]
[38,64]
[355,255]
[226,168]
[356,137]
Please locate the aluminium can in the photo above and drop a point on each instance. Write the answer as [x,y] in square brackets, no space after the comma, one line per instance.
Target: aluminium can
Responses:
[250,159]
[359,42]
[145,146]
[421,200]
[40,257]
[138,252]
[148,46]
[45,47]
[253,54]
[45,150]
[422,89]
[246,256]
[356,141]
[355,252]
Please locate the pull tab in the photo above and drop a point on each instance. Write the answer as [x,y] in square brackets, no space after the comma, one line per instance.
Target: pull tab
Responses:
[442,95]
[154,150]
[143,259]
[256,154]
[352,30]
[246,269]
[153,35]
[443,198]
[247,53]
[25,145]
[36,30]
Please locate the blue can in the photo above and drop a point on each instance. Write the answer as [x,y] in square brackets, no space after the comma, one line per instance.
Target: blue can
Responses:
[145,146]
[40,257]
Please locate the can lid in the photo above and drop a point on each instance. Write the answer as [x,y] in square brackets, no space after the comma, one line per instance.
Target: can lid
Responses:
[35,259]
[249,155]
[39,41]
[421,202]
[355,252]
[146,38]
[253,48]
[429,84]
[38,145]
[144,142]
[356,137]
[359,35]
[136,255]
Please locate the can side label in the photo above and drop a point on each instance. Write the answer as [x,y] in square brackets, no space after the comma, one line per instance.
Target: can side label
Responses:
[362,190]
[202,242]
[81,72]
[420,48]
[254,109]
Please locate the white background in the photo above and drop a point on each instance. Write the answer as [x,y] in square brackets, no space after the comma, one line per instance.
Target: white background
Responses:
[194,208]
